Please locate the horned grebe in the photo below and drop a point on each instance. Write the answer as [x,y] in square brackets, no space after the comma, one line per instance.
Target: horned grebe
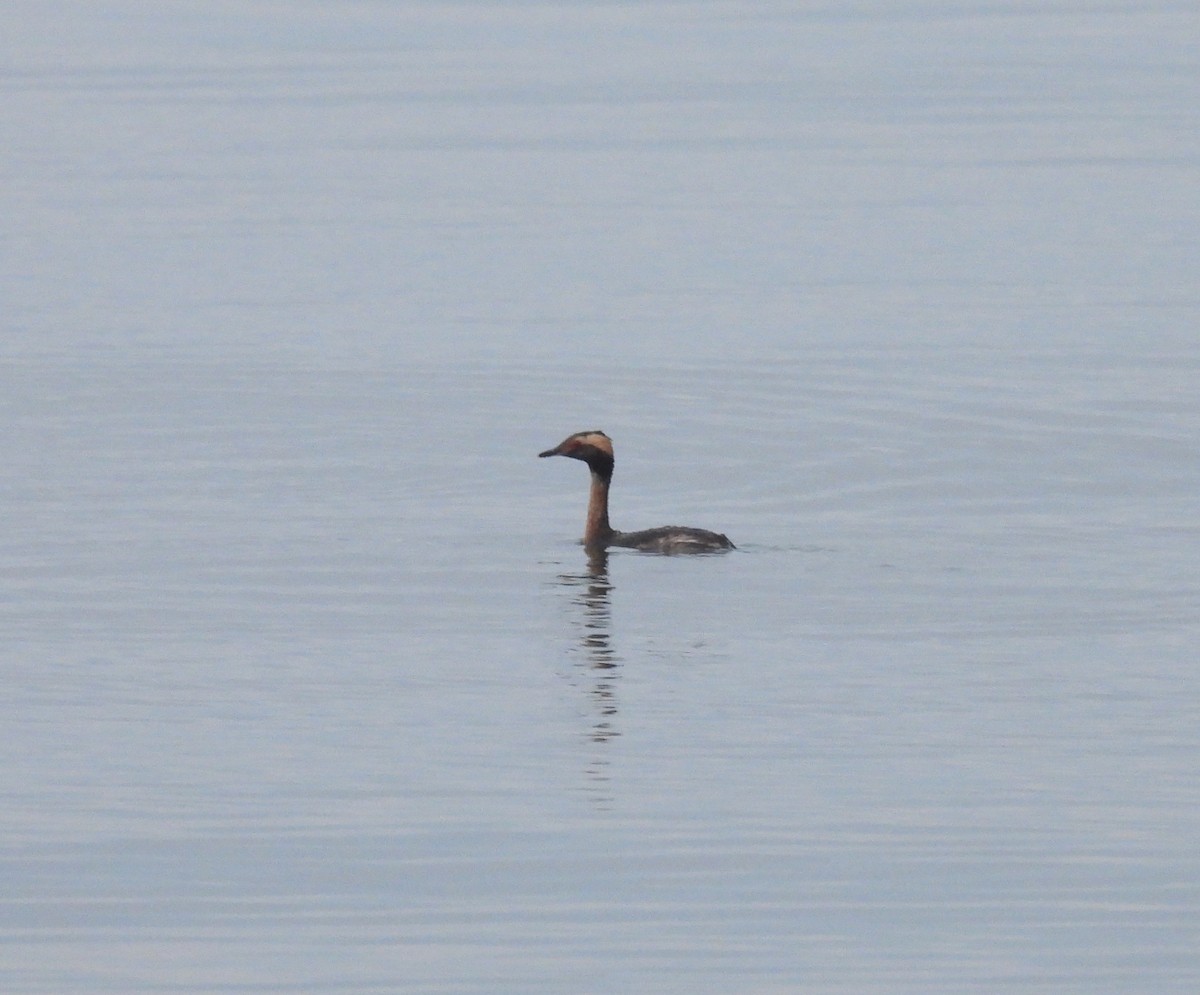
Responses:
[595,449]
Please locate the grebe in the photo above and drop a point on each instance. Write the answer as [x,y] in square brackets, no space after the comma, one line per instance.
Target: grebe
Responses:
[596,450]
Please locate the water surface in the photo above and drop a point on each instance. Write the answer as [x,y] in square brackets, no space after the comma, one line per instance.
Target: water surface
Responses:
[307,683]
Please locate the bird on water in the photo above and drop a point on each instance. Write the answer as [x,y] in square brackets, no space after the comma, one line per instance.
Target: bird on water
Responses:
[596,450]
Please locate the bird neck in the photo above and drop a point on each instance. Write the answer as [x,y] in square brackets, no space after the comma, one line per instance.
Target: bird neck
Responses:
[597,531]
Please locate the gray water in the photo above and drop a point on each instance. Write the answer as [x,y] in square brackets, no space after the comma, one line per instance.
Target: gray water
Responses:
[305,682]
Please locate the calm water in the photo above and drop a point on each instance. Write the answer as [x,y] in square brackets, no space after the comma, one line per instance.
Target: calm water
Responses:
[306,686]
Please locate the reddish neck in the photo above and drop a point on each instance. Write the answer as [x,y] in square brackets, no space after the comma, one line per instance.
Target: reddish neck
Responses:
[597,531]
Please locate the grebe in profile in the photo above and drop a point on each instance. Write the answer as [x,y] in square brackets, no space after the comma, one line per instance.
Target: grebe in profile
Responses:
[595,449]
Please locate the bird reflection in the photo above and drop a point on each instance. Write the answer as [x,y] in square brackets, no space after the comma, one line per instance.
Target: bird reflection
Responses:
[590,595]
